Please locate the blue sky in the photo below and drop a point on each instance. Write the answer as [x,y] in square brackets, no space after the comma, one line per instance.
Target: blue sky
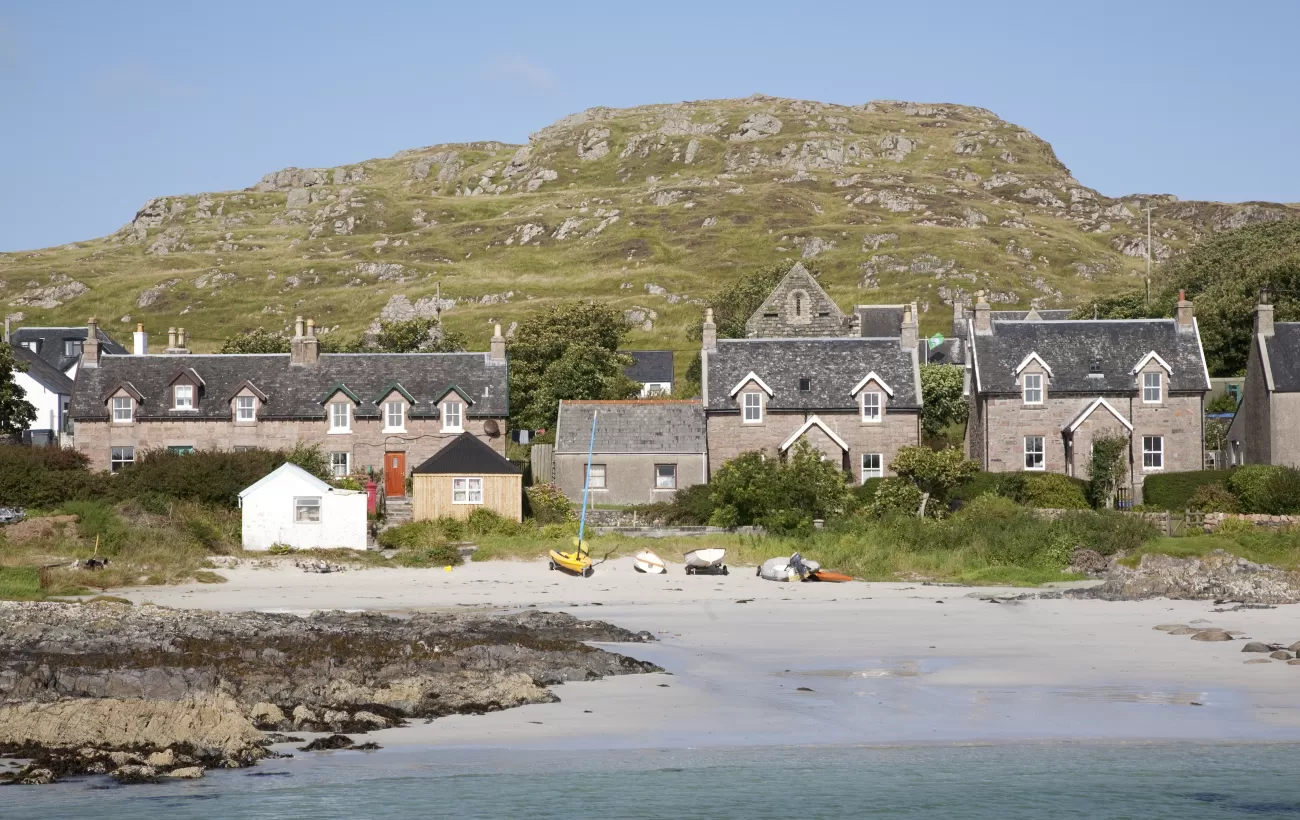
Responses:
[106,105]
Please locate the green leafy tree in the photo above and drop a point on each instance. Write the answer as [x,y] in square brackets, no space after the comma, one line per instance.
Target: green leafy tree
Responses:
[935,472]
[256,341]
[1222,403]
[1128,305]
[1108,469]
[417,335]
[781,495]
[942,401]
[568,351]
[16,412]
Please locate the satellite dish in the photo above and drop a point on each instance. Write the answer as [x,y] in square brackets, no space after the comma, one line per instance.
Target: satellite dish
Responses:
[492,428]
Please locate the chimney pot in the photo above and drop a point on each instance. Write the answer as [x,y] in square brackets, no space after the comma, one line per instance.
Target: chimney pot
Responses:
[1184,312]
[983,314]
[140,339]
[90,350]
[709,337]
[171,338]
[497,347]
[311,327]
[297,327]
[1263,319]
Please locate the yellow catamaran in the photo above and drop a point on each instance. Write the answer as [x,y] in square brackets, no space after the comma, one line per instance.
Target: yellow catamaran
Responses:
[578,560]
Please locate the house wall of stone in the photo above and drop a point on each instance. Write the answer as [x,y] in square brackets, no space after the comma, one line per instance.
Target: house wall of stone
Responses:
[1284,418]
[786,323]
[366,443]
[1256,404]
[1101,423]
[629,477]
[729,436]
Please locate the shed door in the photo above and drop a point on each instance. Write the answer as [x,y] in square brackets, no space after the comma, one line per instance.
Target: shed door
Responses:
[395,475]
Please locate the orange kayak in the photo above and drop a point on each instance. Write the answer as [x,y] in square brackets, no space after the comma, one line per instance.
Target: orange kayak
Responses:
[832,577]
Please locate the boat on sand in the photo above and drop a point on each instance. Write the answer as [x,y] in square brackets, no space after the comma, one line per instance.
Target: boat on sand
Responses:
[705,562]
[647,562]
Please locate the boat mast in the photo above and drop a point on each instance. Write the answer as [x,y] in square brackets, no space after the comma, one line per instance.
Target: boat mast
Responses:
[586,484]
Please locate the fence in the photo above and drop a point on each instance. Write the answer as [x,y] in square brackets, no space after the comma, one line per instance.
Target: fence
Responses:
[543,463]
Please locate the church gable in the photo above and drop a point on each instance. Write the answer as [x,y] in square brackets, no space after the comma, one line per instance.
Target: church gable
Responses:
[797,307]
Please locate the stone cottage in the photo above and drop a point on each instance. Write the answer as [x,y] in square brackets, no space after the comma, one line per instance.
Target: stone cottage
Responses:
[383,411]
[1040,391]
[1266,428]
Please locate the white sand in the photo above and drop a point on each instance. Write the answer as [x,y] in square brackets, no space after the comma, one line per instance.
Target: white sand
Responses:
[887,662]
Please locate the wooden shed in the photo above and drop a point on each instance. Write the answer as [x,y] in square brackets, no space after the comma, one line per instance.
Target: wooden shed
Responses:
[464,476]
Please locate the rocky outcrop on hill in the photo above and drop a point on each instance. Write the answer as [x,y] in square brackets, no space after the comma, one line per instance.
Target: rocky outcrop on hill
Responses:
[1217,576]
[96,688]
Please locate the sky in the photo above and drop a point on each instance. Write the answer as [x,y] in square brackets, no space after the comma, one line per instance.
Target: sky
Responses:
[105,105]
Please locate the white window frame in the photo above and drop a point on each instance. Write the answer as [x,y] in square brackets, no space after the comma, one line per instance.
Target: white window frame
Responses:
[1032,383]
[116,464]
[756,407]
[121,403]
[302,507]
[1153,454]
[596,476]
[389,415]
[188,403]
[874,402]
[245,403]
[346,417]
[335,464]
[453,421]
[658,485]
[877,471]
[467,490]
[1041,452]
[1158,387]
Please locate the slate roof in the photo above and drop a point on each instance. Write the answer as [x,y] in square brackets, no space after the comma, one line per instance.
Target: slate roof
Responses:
[467,454]
[832,366]
[1019,315]
[880,321]
[296,392]
[1284,356]
[650,366]
[949,351]
[1070,347]
[632,427]
[51,343]
[44,373]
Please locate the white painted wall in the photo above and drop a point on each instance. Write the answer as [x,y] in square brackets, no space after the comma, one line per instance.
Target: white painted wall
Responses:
[49,406]
[268,513]
[649,389]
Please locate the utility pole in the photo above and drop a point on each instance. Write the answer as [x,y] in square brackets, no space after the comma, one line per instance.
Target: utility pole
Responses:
[1148,210]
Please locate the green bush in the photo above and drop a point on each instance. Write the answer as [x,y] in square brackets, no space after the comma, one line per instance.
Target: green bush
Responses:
[46,477]
[439,555]
[977,485]
[213,477]
[98,520]
[782,495]
[1174,491]
[1053,491]
[483,521]
[1105,531]
[547,504]
[864,494]
[568,529]
[897,496]
[1214,498]
[414,535]
[1268,489]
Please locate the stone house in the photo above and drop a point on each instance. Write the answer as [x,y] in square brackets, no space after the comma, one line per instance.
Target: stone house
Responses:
[644,451]
[387,412]
[1040,391]
[1266,428]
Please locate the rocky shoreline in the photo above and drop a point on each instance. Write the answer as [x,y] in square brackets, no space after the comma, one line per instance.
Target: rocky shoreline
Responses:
[147,692]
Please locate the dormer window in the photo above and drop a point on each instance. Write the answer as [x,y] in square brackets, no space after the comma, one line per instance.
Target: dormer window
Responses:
[805,385]
[872,402]
[71,347]
[753,403]
[452,417]
[1033,387]
[183,397]
[1094,368]
[1152,388]
[123,409]
[245,408]
[340,417]
[394,416]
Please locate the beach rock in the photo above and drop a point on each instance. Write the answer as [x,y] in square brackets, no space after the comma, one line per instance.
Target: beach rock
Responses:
[1293,662]
[1256,646]
[186,773]
[1184,630]
[266,716]
[1217,576]
[1170,627]
[1260,660]
[1280,655]
[1088,562]
[1211,635]
[1295,647]
[34,776]
[165,759]
[135,774]
[321,744]
[302,716]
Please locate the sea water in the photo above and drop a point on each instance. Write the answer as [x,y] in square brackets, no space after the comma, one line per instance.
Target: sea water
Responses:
[1056,780]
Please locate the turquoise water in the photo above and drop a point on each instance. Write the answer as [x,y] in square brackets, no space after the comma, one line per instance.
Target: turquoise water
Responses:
[1182,781]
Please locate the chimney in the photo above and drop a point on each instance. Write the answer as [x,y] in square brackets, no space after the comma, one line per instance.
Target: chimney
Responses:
[296,353]
[983,315]
[1185,313]
[497,347]
[908,337]
[140,346]
[171,339]
[958,318]
[1264,314]
[90,350]
[176,341]
[6,329]
[710,336]
[310,345]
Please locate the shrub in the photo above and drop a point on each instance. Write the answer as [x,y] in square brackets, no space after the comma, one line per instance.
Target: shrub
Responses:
[936,472]
[1174,491]
[780,495]
[1105,531]
[45,476]
[865,493]
[1213,498]
[1053,491]
[897,496]
[96,520]
[568,529]
[483,521]
[977,485]
[413,535]
[439,555]
[208,476]
[547,504]
[1268,489]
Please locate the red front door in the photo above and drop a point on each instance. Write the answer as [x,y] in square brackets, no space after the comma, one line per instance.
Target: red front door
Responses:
[395,475]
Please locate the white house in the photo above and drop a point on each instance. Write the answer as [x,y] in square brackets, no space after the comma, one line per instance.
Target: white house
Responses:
[49,391]
[293,507]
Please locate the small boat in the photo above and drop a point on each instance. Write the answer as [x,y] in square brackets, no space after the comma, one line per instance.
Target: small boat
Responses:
[826,576]
[578,561]
[705,562]
[792,568]
[647,562]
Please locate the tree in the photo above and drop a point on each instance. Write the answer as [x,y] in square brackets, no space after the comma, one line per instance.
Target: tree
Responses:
[417,335]
[16,412]
[569,351]
[935,472]
[1108,469]
[942,401]
[781,495]
[256,341]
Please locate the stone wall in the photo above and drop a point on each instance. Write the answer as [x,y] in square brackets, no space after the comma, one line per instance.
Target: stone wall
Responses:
[1213,521]
[729,436]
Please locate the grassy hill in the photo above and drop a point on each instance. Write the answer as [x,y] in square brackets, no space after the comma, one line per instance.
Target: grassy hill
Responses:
[648,208]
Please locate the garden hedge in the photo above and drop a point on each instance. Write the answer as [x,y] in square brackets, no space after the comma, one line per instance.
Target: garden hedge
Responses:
[1174,491]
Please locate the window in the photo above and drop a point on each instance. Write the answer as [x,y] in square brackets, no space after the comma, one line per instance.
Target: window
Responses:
[1151,388]
[1153,452]
[71,347]
[183,397]
[121,457]
[1033,388]
[1034,453]
[306,510]
[123,409]
[394,415]
[467,490]
[871,401]
[181,449]
[245,408]
[798,303]
[34,345]
[451,418]
[1234,390]
[340,463]
[805,385]
[871,466]
[665,476]
[753,408]
[243,448]
[340,418]
[596,477]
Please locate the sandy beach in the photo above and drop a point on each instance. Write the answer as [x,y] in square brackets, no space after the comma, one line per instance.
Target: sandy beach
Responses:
[753,662]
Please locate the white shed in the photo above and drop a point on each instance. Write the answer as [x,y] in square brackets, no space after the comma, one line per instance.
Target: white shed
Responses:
[291,506]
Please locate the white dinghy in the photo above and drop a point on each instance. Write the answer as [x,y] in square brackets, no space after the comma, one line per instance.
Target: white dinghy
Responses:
[793,568]
[647,562]
[705,562]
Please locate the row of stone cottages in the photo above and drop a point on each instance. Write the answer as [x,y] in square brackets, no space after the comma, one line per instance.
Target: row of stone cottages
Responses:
[1040,387]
